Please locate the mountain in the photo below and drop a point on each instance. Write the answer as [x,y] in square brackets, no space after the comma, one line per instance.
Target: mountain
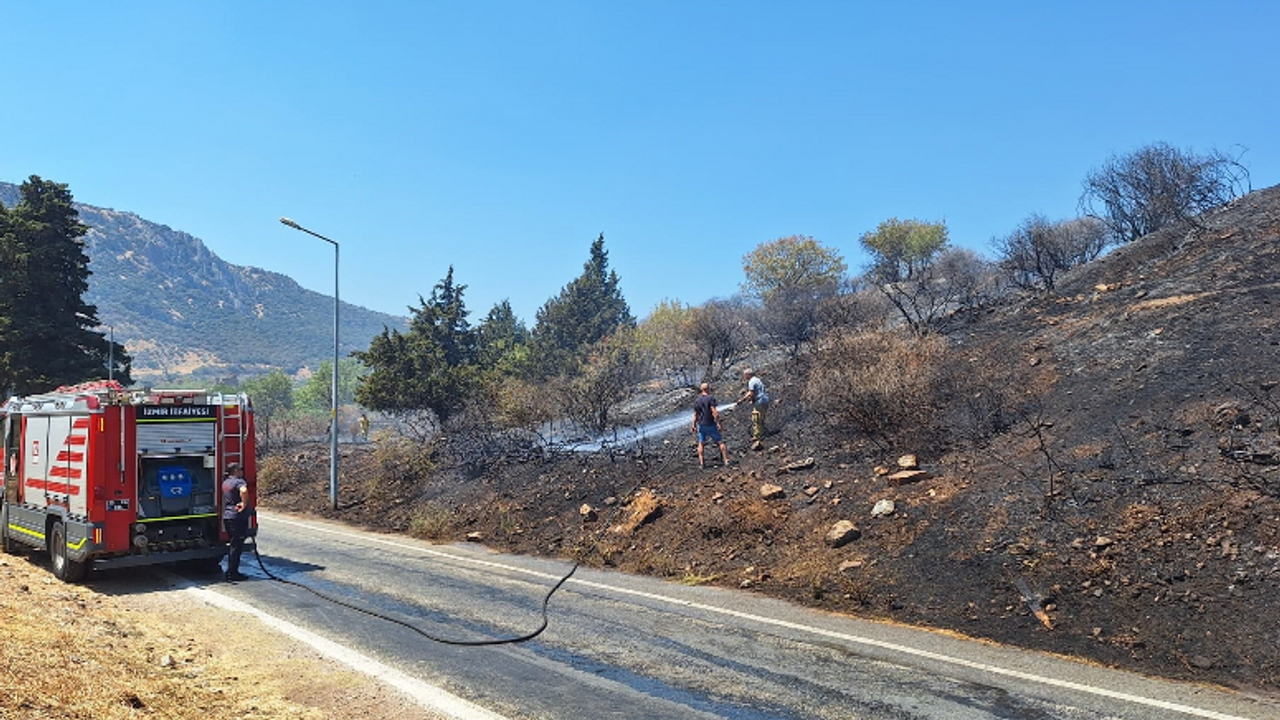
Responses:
[184,313]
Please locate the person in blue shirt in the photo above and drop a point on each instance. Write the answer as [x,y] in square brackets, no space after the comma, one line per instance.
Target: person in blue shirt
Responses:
[706,423]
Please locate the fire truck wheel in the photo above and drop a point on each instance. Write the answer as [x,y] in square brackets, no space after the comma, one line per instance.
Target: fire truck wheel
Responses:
[5,543]
[64,568]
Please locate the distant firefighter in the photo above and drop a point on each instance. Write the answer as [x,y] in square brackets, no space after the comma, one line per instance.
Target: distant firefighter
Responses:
[759,399]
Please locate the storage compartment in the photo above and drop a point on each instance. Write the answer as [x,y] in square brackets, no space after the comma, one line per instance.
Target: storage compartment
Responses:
[176,486]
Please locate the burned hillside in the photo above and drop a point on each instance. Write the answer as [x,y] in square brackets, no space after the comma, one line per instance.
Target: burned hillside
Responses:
[1127,510]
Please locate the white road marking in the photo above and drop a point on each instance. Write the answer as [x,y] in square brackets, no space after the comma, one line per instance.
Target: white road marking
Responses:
[856,639]
[426,695]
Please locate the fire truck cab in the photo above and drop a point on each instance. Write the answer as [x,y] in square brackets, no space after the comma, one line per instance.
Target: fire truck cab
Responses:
[102,477]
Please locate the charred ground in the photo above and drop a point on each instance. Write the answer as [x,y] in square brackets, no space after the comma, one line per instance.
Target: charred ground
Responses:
[1138,505]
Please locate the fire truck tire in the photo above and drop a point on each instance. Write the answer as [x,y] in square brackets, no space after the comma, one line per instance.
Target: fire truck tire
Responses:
[64,568]
[5,543]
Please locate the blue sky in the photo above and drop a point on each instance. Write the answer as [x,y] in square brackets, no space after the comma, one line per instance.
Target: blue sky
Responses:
[502,137]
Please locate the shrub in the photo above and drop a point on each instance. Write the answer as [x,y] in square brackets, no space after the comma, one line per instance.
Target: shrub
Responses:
[404,460]
[879,383]
[277,472]
[431,522]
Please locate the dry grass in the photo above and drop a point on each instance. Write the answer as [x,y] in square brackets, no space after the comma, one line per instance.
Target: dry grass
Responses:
[72,653]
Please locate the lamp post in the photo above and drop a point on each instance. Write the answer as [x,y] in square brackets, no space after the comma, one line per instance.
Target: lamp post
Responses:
[111,353]
[333,410]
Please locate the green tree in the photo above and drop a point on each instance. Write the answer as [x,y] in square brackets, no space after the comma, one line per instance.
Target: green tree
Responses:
[922,277]
[587,310]
[904,249]
[500,340]
[428,369]
[272,396]
[46,335]
[791,266]
[792,276]
[314,395]
[664,334]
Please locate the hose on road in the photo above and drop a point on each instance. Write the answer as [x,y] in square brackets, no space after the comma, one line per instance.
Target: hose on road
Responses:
[409,626]
[546,600]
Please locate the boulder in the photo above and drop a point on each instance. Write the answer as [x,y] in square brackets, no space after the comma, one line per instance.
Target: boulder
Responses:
[908,462]
[883,508]
[645,508]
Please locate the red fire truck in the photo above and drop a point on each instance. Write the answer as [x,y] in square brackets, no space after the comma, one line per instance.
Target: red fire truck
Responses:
[101,477]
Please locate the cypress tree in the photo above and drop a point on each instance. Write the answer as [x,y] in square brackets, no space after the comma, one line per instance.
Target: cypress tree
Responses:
[46,327]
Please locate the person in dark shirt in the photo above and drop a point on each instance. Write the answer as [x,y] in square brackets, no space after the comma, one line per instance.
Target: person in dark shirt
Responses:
[706,423]
[235,517]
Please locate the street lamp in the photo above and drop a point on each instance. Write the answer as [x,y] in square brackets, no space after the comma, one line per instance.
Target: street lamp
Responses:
[333,410]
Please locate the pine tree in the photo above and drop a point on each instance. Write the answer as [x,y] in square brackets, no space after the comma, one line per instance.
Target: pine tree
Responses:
[429,367]
[500,335]
[588,309]
[46,335]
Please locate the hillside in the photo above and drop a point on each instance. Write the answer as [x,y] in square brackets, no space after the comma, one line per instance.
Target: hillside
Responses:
[1133,519]
[181,310]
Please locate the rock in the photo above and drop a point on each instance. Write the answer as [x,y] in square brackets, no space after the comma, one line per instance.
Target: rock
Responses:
[842,533]
[804,464]
[849,565]
[587,512]
[475,536]
[908,462]
[645,508]
[811,491]
[1200,662]
[883,508]
[166,661]
[880,470]
[772,492]
[907,476]
[1103,541]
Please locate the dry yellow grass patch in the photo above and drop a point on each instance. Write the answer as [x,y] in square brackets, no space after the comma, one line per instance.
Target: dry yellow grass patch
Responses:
[71,653]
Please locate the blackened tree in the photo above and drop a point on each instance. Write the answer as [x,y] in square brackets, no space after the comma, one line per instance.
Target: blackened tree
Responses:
[1159,186]
[46,328]
[1035,254]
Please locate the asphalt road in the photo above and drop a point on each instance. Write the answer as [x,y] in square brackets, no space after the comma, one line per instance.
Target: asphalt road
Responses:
[619,646]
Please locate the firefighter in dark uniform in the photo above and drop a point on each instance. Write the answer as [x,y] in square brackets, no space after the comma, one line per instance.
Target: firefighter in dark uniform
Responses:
[235,517]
